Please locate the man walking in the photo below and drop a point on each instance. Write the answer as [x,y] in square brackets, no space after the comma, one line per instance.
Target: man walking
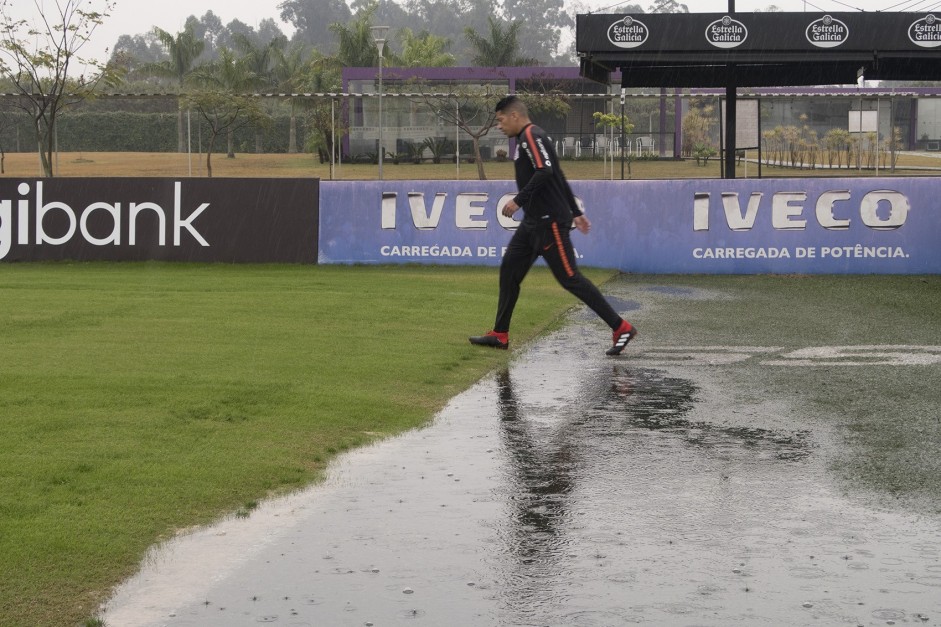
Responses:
[549,211]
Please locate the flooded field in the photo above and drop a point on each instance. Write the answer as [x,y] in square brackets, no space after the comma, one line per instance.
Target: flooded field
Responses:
[570,489]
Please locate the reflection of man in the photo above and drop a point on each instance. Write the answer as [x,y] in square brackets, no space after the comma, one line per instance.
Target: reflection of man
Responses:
[541,478]
[542,471]
[549,211]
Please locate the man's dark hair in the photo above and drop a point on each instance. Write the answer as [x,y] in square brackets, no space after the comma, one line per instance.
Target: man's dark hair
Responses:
[510,104]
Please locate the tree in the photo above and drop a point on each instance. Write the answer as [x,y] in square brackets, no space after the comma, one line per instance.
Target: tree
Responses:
[43,65]
[424,50]
[312,20]
[620,124]
[183,50]
[229,75]
[6,121]
[355,44]
[699,130]
[223,112]
[471,109]
[268,30]
[259,59]
[289,72]
[449,18]
[322,75]
[539,39]
[259,62]
[500,47]
[132,52]
[208,29]
[668,6]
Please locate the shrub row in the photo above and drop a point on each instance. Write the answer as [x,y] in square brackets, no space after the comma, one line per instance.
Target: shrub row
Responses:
[121,131]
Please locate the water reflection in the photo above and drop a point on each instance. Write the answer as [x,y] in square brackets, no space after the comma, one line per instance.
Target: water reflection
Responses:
[583,473]
[541,465]
[648,400]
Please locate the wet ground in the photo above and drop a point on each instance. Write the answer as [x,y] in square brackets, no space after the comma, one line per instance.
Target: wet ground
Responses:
[571,489]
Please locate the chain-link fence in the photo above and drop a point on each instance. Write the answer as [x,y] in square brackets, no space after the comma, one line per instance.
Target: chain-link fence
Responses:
[802,132]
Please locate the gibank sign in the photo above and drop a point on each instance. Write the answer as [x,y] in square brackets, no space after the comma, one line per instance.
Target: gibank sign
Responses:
[235,220]
[56,223]
[884,226]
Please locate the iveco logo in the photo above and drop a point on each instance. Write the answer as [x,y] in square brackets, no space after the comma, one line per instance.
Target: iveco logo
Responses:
[628,33]
[827,32]
[926,32]
[726,33]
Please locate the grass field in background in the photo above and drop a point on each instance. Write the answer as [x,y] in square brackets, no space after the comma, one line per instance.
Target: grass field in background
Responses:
[140,399]
[74,164]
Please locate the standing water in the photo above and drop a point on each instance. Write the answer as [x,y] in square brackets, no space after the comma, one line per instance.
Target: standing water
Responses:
[571,489]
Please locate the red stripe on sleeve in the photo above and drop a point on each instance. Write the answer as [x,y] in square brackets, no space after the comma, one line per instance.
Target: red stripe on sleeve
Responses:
[533,147]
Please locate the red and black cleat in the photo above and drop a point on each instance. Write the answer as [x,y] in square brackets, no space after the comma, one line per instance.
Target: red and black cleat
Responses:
[624,334]
[493,339]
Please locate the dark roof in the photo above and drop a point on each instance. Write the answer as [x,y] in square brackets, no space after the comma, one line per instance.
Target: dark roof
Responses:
[758,49]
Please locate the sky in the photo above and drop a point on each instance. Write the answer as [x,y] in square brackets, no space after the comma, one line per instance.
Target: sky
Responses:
[133,17]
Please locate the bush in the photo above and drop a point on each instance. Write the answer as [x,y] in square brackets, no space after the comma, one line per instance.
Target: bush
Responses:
[124,131]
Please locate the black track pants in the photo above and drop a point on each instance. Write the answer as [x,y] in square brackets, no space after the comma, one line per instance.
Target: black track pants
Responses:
[551,241]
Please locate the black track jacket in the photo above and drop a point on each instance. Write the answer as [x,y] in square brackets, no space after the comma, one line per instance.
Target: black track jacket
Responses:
[544,194]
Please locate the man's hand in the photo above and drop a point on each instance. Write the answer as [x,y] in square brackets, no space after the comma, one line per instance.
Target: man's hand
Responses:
[510,208]
[582,224]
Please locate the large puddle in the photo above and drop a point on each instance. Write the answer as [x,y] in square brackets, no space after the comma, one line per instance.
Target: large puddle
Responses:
[573,489]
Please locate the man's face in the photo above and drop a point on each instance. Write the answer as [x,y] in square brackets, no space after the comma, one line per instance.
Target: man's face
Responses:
[509,123]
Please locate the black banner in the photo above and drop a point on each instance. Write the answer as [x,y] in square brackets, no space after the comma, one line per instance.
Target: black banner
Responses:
[138,219]
[758,49]
[768,33]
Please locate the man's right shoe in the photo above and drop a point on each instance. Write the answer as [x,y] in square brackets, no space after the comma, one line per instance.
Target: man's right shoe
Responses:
[493,339]
[624,334]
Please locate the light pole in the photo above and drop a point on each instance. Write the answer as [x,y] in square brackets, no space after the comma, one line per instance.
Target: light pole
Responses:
[379,36]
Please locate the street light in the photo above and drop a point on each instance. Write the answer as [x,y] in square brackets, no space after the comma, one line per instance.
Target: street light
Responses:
[379,36]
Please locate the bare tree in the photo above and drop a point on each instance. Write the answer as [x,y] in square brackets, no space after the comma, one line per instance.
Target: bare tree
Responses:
[468,108]
[41,60]
[471,109]
[224,113]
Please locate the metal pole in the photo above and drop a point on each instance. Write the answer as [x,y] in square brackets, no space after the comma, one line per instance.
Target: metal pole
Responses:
[730,117]
[730,114]
[379,36]
[189,140]
[623,145]
[457,140]
[333,137]
[381,150]
[721,138]
[877,136]
[759,138]
[859,143]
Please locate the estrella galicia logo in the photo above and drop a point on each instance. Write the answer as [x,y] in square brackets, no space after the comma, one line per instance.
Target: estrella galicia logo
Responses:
[726,33]
[628,33]
[926,32]
[827,32]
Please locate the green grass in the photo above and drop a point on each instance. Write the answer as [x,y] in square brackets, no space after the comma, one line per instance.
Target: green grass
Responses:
[137,400]
[140,399]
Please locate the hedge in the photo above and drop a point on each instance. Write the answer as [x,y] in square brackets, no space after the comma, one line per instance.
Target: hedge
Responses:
[121,131]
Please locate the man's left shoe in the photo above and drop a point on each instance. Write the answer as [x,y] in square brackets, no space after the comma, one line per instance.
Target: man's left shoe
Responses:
[495,339]
[625,333]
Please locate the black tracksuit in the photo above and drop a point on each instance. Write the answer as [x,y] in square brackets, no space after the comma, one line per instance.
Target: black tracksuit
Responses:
[548,210]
